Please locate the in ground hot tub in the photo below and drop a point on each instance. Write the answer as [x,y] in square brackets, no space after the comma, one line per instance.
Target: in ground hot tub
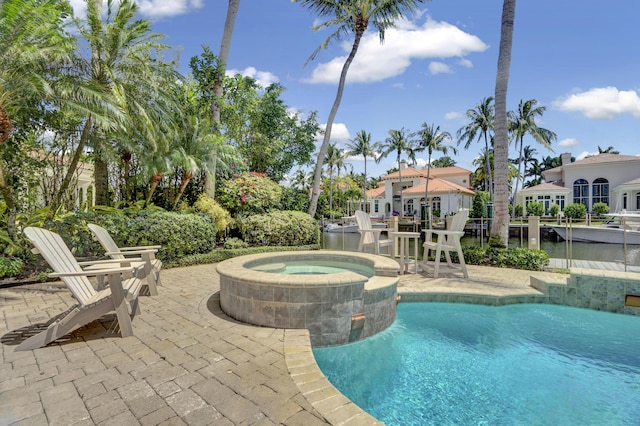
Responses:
[339,297]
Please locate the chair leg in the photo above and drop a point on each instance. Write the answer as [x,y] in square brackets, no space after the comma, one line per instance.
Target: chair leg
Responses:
[463,265]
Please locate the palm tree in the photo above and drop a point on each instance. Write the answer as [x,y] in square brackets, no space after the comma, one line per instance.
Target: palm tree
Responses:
[397,142]
[431,139]
[500,228]
[32,44]
[361,145]
[350,17]
[195,150]
[609,150]
[333,154]
[126,61]
[523,122]
[481,123]
[445,161]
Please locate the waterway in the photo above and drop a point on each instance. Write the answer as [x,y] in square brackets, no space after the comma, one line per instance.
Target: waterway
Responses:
[560,250]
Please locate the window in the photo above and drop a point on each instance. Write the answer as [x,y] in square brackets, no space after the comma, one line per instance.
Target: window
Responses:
[376,206]
[436,204]
[409,207]
[560,201]
[600,190]
[581,192]
[638,201]
[546,202]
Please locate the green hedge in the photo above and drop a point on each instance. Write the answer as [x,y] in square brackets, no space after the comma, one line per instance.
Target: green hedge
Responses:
[179,234]
[280,228]
[513,257]
[224,254]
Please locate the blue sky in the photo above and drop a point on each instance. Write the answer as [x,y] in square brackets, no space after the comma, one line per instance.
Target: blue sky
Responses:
[579,59]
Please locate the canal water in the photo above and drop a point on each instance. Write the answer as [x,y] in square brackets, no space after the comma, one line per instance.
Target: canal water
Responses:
[582,251]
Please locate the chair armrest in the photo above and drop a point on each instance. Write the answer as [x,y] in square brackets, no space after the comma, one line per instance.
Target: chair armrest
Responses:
[130,252]
[448,233]
[140,248]
[111,261]
[92,273]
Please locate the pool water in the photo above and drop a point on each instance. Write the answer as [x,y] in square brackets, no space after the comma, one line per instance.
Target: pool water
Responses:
[305,267]
[456,364]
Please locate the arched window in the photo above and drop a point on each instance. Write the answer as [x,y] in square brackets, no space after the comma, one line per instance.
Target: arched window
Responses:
[600,191]
[581,192]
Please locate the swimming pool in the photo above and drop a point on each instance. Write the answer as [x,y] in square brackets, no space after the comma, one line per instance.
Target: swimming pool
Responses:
[462,364]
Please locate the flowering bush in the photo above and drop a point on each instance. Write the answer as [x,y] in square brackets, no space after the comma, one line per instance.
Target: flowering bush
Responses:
[249,193]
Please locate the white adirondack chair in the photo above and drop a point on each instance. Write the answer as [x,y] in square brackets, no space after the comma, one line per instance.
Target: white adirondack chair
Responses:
[152,265]
[370,236]
[447,241]
[121,296]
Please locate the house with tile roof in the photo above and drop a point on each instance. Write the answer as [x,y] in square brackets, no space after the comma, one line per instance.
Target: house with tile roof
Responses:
[449,191]
[612,179]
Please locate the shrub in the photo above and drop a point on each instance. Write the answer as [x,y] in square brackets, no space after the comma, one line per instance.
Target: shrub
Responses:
[10,266]
[179,234]
[513,257]
[211,207]
[554,209]
[535,208]
[600,209]
[575,211]
[479,205]
[235,243]
[249,193]
[519,210]
[280,228]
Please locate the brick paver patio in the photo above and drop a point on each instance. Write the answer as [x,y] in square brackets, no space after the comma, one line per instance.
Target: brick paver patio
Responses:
[188,363]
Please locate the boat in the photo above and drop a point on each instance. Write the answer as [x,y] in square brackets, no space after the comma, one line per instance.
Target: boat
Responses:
[348,224]
[621,228]
[339,228]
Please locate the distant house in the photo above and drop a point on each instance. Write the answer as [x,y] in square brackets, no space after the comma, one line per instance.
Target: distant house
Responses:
[448,191]
[612,179]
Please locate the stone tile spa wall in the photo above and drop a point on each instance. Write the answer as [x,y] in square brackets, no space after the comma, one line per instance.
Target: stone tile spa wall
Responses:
[336,308]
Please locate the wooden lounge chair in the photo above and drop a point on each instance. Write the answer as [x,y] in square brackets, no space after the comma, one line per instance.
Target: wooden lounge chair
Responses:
[152,265]
[370,236]
[447,241]
[121,296]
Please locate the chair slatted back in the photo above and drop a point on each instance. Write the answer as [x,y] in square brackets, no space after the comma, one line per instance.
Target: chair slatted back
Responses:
[105,240]
[459,220]
[364,222]
[55,251]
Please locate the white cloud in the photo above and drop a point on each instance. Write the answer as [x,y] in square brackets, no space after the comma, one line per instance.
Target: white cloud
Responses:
[153,9]
[585,154]
[339,132]
[263,78]
[465,63]
[453,115]
[398,85]
[166,8]
[568,143]
[439,68]
[406,42]
[601,103]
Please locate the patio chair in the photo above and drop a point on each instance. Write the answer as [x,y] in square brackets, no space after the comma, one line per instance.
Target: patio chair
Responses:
[152,265]
[448,240]
[370,236]
[121,296]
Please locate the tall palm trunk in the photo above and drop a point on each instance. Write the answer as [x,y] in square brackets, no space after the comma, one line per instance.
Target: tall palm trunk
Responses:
[517,184]
[427,217]
[317,177]
[487,161]
[364,187]
[218,84]
[155,181]
[500,229]
[400,179]
[186,178]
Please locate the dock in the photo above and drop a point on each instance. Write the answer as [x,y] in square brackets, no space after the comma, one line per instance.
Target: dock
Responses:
[555,263]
